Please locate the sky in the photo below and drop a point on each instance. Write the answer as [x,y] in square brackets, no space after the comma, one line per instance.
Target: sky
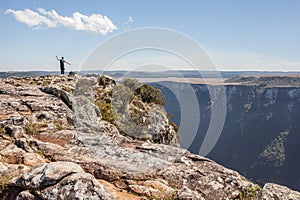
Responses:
[236,35]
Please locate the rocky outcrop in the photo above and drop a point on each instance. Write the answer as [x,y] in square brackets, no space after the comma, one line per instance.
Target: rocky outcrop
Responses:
[127,108]
[55,160]
[274,191]
[57,180]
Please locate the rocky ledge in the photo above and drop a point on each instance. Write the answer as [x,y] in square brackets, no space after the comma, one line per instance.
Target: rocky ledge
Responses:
[59,139]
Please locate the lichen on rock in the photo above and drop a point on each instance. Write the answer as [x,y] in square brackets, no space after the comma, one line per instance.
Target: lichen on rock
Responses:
[49,150]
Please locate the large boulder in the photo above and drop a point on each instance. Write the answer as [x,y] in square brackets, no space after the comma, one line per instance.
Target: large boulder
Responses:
[59,180]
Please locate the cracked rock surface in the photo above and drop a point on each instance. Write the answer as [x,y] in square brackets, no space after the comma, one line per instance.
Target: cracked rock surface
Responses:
[47,153]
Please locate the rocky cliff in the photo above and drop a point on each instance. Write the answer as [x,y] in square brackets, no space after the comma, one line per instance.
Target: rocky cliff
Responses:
[77,138]
[260,138]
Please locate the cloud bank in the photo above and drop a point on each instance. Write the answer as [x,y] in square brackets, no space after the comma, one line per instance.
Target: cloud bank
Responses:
[95,23]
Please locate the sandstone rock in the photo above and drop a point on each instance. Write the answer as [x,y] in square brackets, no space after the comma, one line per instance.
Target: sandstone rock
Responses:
[96,150]
[31,159]
[273,191]
[23,144]
[46,175]
[77,186]
[186,193]
[61,137]
[11,154]
[108,128]
[85,86]
[12,170]
[26,195]
[60,180]
[14,131]
[153,188]
[145,191]
[58,93]
[106,81]
[86,115]
[117,193]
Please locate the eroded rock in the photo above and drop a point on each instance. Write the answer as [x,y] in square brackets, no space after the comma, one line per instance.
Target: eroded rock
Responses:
[66,154]
[273,191]
[60,180]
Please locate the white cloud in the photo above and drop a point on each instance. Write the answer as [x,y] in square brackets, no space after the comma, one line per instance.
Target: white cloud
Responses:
[94,23]
[128,22]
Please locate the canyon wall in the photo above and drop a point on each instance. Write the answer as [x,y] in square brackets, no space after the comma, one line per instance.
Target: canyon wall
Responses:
[261,134]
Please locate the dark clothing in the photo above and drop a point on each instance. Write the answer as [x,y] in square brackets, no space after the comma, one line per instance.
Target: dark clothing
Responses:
[62,66]
[62,63]
[62,70]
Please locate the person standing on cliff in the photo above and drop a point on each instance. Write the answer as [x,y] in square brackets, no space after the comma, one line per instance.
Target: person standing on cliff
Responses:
[62,64]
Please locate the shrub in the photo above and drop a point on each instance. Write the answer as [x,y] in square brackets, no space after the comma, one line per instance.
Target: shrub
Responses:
[4,180]
[31,128]
[131,83]
[150,94]
[59,124]
[249,192]
[40,152]
[105,109]
[34,128]
[138,117]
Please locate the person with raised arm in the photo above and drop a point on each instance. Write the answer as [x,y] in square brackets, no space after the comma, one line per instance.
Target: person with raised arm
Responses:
[62,64]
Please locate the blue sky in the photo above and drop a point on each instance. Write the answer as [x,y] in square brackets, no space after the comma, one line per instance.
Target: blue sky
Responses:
[237,35]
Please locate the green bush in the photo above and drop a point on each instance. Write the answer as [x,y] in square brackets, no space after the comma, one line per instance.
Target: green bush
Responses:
[131,83]
[40,152]
[31,128]
[59,124]
[5,179]
[150,94]
[249,193]
[105,109]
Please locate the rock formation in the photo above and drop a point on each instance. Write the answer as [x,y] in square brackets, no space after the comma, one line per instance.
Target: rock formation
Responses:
[260,138]
[63,138]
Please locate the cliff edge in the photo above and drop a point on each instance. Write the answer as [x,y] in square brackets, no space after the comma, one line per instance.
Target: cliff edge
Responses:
[92,138]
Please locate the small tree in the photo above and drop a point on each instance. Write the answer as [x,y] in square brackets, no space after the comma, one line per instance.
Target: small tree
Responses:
[150,94]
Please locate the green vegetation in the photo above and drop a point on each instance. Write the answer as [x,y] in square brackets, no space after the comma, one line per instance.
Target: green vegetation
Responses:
[40,152]
[138,116]
[150,94]
[274,154]
[59,124]
[105,109]
[131,83]
[126,105]
[249,193]
[31,128]
[34,128]
[4,180]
